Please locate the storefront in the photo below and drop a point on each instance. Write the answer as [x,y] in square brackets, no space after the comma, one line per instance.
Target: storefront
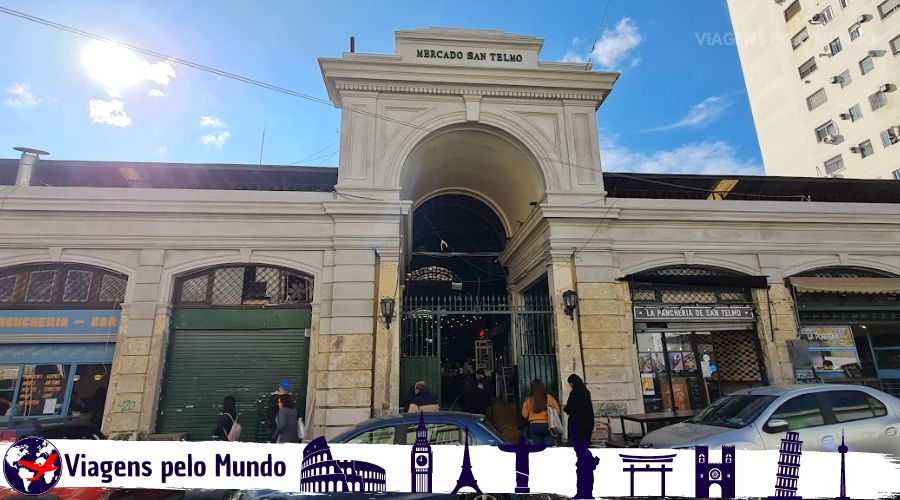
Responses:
[58,326]
[695,342]
[850,325]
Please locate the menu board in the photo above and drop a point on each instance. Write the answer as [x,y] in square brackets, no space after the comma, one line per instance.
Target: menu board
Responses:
[41,393]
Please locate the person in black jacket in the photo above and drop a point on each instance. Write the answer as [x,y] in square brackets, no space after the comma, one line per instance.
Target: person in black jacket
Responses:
[580,411]
[284,387]
[228,417]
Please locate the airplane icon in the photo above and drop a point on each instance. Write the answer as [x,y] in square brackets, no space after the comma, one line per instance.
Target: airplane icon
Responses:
[40,469]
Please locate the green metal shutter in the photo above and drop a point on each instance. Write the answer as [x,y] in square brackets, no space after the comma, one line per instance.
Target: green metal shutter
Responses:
[233,352]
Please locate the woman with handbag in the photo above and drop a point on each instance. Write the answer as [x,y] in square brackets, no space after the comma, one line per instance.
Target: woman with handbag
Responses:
[537,411]
[227,420]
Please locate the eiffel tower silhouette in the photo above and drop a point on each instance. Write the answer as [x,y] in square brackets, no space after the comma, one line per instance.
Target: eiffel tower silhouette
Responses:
[465,475]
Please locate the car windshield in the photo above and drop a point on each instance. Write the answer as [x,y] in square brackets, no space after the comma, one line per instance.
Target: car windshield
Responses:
[733,411]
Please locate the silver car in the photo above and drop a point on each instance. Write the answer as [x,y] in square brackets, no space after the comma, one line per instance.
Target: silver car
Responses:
[757,419]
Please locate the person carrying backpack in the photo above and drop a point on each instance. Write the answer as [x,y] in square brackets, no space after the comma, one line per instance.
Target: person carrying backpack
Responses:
[228,428]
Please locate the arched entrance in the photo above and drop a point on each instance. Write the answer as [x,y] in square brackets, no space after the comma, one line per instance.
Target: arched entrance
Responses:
[236,331]
[473,186]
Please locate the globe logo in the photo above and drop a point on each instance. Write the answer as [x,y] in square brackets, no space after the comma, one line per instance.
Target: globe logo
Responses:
[32,466]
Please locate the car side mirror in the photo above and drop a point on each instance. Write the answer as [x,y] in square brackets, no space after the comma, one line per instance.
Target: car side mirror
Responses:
[777,426]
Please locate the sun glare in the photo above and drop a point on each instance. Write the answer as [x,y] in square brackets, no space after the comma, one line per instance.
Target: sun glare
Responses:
[115,67]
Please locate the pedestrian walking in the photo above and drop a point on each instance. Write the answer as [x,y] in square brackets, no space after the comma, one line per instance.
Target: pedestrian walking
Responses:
[580,410]
[286,421]
[536,410]
[422,399]
[284,387]
[227,419]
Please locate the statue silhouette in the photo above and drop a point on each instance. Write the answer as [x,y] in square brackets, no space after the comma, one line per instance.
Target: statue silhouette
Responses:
[585,465]
[522,450]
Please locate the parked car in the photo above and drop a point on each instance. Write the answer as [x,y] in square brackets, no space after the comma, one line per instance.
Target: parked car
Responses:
[757,419]
[444,427]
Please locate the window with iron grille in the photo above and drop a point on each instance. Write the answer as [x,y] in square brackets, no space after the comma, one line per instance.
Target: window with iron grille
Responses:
[843,272]
[643,289]
[432,273]
[835,164]
[62,285]
[244,286]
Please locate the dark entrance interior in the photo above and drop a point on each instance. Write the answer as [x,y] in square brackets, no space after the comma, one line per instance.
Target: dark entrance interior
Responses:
[454,274]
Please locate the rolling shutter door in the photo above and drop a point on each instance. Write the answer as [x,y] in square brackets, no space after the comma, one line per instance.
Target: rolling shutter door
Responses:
[240,353]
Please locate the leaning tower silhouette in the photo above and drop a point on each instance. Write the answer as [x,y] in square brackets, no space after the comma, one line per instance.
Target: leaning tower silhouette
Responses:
[788,468]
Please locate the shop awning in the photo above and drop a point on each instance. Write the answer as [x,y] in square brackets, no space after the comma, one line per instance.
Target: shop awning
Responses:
[866,286]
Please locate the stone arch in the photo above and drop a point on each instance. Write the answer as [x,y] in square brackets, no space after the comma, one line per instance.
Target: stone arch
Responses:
[402,145]
[708,263]
[106,264]
[834,261]
[468,192]
[170,274]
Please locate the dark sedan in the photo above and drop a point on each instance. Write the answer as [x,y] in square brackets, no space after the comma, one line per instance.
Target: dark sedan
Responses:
[444,427]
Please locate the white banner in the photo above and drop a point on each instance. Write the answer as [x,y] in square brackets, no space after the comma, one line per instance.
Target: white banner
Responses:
[223,465]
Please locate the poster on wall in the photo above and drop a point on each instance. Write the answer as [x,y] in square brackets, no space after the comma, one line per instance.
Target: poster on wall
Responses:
[645,362]
[647,384]
[830,349]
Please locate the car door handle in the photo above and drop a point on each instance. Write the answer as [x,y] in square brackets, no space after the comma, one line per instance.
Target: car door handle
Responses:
[890,431]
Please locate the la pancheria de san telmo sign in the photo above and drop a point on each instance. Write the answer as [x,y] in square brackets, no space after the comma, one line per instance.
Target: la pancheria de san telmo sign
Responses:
[468,55]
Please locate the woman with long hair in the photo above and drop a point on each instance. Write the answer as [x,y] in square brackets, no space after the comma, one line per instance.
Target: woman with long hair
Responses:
[227,418]
[534,410]
[286,421]
[580,411]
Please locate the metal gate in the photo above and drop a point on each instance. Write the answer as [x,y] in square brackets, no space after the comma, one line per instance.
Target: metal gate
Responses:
[532,342]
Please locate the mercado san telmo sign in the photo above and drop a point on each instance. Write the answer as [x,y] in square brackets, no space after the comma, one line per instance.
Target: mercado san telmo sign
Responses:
[696,313]
[468,55]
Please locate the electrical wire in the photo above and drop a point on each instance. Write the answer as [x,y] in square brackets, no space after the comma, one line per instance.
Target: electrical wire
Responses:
[283,90]
[599,32]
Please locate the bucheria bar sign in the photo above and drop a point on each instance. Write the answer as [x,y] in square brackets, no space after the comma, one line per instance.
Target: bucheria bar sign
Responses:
[468,55]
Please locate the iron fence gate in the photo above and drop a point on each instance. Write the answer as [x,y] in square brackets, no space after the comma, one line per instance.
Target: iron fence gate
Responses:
[532,341]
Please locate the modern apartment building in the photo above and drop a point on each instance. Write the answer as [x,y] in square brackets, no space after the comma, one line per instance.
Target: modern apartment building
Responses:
[822,78]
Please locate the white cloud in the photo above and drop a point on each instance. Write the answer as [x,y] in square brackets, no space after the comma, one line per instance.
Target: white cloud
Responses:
[703,113]
[109,112]
[613,47]
[156,93]
[217,140]
[576,40]
[161,72]
[707,157]
[211,121]
[21,96]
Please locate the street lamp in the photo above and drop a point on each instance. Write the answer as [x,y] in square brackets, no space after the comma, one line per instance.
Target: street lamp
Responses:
[387,311]
[570,300]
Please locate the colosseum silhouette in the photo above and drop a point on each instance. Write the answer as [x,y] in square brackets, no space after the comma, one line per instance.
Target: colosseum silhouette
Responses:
[321,473]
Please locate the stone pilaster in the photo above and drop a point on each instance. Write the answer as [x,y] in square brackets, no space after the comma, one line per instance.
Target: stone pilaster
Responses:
[387,340]
[140,345]
[568,345]
[780,305]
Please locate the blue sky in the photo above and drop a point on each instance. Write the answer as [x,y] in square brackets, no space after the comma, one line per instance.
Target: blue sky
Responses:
[680,105]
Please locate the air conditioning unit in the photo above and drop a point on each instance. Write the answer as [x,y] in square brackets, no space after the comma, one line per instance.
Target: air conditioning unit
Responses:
[888,87]
[854,149]
[836,79]
[864,18]
[817,18]
[845,116]
[829,139]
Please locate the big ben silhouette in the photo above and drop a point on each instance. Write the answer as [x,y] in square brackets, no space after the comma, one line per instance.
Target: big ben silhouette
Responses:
[420,463]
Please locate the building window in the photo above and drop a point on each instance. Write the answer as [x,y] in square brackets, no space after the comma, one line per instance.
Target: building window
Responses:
[792,10]
[866,149]
[855,113]
[878,100]
[817,99]
[897,174]
[826,132]
[827,15]
[866,65]
[887,8]
[895,45]
[844,79]
[835,164]
[855,32]
[845,3]
[889,137]
[78,286]
[808,67]
[835,46]
[800,38]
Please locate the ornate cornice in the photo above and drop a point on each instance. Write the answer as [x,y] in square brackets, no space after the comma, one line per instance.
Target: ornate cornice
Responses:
[469,91]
